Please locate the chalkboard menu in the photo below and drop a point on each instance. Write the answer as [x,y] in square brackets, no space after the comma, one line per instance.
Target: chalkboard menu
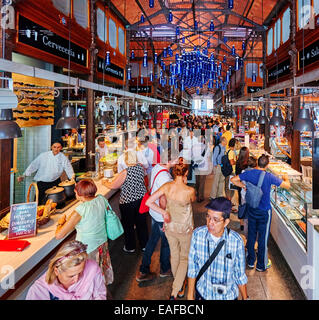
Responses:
[23,220]
[36,36]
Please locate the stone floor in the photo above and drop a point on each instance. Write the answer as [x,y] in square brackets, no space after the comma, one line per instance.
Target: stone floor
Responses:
[277,283]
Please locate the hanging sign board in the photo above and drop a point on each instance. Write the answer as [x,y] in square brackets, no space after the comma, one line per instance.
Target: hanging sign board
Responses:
[144,89]
[38,37]
[23,220]
[283,69]
[111,70]
[311,55]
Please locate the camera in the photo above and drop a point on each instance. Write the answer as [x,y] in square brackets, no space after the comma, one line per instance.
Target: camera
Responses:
[219,288]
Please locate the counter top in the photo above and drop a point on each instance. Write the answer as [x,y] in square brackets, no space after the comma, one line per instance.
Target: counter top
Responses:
[17,264]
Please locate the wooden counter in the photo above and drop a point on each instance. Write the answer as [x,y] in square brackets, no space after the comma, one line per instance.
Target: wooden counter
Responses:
[18,264]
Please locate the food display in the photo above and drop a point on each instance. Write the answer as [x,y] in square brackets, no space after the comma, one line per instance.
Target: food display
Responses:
[302,225]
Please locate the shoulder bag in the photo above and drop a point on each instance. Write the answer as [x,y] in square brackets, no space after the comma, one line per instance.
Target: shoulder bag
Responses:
[210,260]
[114,228]
[254,193]
[143,207]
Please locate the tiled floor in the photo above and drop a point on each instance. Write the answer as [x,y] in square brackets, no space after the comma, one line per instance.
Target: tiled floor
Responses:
[277,283]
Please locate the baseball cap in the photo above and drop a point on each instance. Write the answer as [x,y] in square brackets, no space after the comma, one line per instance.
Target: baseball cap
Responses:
[220,204]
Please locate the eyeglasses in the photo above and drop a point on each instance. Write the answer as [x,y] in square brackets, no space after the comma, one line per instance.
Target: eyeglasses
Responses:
[208,217]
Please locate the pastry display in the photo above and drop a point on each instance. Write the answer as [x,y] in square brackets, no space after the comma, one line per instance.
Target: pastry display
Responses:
[302,225]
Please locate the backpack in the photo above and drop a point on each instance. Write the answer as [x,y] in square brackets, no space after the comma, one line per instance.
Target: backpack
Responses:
[215,146]
[254,193]
[227,168]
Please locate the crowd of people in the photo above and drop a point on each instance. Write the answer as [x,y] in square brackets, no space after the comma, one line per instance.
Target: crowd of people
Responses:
[208,262]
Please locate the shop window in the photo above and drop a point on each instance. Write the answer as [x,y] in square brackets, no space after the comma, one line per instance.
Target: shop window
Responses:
[112,33]
[121,40]
[101,25]
[250,68]
[286,25]
[304,11]
[63,6]
[145,72]
[277,38]
[270,41]
[135,69]
[80,12]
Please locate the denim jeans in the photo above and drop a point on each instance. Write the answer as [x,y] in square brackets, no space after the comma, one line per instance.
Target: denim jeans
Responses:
[156,234]
[258,226]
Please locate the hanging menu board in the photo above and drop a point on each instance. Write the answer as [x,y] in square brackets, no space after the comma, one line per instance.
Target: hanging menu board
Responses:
[309,55]
[38,37]
[23,220]
[281,70]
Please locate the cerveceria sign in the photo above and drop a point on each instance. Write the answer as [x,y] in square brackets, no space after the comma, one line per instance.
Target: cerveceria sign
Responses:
[283,69]
[45,40]
[111,70]
[310,55]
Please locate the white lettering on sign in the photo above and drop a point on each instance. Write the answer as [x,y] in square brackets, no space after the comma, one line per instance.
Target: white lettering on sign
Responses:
[56,46]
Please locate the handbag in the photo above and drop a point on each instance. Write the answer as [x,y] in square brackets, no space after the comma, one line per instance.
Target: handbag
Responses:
[114,228]
[143,207]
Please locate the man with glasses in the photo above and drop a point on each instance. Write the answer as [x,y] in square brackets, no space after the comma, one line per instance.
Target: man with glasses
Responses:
[225,277]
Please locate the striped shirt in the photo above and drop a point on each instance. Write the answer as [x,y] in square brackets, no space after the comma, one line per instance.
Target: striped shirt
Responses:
[228,267]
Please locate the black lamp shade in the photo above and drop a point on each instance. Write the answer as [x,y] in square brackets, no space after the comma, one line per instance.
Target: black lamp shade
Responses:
[253,116]
[304,123]
[68,119]
[104,118]
[262,119]
[277,119]
[9,129]
[247,115]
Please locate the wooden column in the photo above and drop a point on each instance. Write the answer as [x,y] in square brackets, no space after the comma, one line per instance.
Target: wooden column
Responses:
[295,145]
[90,127]
[267,126]
[5,144]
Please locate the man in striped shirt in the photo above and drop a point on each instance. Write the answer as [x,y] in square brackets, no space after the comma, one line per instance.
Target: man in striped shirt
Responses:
[225,277]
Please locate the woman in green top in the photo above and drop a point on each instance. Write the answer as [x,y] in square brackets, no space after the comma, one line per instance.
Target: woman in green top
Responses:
[89,221]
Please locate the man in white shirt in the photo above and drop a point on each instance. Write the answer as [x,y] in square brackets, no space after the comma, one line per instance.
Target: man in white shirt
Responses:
[157,224]
[49,167]
[101,148]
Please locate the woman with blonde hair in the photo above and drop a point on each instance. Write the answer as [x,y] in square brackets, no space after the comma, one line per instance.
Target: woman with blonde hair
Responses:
[70,276]
[131,183]
[178,223]
[89,221]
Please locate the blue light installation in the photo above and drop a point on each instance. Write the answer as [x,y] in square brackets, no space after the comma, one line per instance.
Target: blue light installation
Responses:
[145,59]
[225,39]
[170,17]
[142,80]
[155,58]
[165,53]
[254,77]
[224,60]
[243,45]
[230,4]
[132,55]
[212,26]
[177,31]
[129,74]
[151,3]
[170,51]
[237,63]
[183,40]
[233,50]
[142,18]
[107,59]
[195,25]
[151,77]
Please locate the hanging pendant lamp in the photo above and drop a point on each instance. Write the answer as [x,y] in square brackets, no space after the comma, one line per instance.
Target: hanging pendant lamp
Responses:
[104,118]
[277,119]
[262,119]
[304,122]
[9,129]
[212,26]
[170,17]
[68,119]
[253,116]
